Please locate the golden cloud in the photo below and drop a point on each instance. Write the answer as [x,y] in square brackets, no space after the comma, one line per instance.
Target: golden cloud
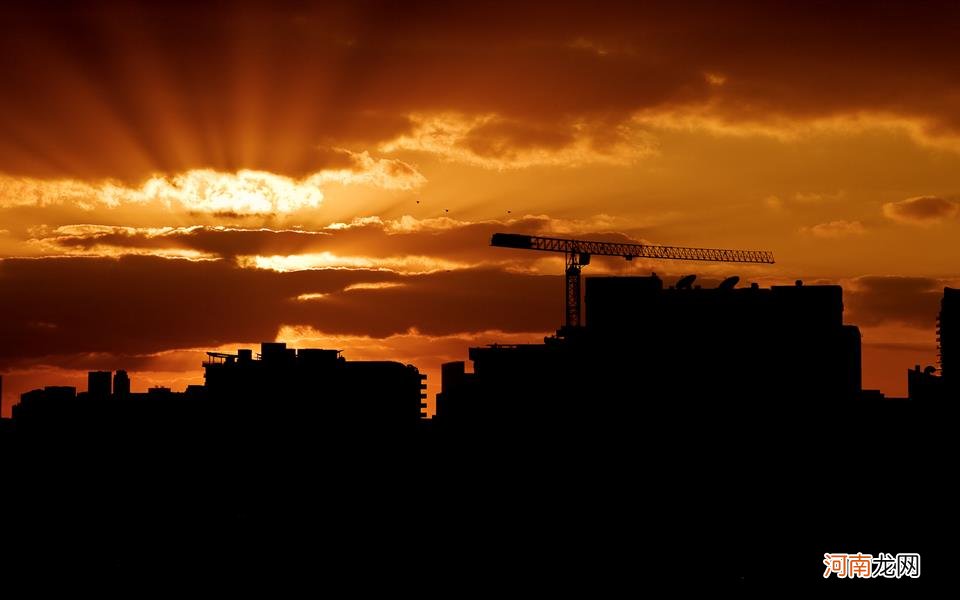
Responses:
[328,260]
[374,285]
[245,192]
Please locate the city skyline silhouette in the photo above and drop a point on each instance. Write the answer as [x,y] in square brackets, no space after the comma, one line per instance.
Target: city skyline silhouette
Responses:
[501,297]
[735,389]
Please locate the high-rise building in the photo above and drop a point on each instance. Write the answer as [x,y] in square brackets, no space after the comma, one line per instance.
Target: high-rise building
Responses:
[948,336]
[98,384]
[121,384]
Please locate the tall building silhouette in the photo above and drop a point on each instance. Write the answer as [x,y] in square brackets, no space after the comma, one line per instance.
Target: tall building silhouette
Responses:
[121,384]
[925,384]
[948,336]
[98,384]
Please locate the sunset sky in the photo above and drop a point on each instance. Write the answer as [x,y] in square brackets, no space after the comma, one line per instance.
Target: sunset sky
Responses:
[175,179]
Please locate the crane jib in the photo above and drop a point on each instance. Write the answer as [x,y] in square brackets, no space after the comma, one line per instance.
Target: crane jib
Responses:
[578,253]
[628,250]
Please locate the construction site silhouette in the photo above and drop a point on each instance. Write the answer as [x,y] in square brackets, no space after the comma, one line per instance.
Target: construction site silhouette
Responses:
[715,433]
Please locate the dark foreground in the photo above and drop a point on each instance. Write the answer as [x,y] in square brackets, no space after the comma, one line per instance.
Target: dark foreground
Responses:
[587,507]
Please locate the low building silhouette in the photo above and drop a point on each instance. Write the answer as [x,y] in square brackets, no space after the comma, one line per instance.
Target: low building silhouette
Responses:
[318,383]
[280,388]
[53,408]
[924,385]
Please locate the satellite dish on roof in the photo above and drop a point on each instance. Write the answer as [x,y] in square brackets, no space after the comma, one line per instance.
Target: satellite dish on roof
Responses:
[729,283]
[686,283]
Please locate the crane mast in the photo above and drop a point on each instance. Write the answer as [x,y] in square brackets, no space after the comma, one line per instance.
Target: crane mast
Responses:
[578,253]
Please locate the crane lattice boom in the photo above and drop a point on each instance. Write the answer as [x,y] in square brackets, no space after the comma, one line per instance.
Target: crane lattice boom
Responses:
[628,251]
[578,254]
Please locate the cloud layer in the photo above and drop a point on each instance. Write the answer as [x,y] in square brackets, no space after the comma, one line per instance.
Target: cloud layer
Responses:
[879,300]
[142,305]
[403,245]
[921,210]
[165,88]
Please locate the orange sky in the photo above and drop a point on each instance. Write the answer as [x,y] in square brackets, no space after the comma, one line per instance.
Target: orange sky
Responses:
[175,179]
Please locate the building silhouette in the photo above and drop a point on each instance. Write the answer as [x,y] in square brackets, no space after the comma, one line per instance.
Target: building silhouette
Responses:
[646,348]
[52,408]
[926,384]
[98,384]
[948,338]
[121,384]
[319,383]
[305,390]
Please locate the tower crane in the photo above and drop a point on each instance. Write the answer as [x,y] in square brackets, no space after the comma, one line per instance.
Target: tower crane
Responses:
[578,253]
